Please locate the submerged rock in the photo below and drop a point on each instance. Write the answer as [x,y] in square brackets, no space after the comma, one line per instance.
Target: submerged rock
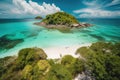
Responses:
[6,43]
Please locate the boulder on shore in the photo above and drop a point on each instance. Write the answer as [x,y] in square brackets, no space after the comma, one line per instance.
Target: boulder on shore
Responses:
[80,25]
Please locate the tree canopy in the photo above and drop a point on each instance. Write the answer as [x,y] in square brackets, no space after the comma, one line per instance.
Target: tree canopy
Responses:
[102,59]
[100,62]
[62,18]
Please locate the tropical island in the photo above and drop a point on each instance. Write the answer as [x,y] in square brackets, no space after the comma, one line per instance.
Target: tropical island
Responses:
[38,17]
[60,40]
[61,21]
[100,61]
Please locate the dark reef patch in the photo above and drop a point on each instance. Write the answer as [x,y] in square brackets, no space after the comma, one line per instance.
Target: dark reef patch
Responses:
[10,36]
[7,43]
[97,37]
[85,31]
[32,34]
[29,34]
[114,37]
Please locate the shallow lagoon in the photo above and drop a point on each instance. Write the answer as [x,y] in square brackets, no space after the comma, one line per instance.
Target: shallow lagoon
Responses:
[36,36]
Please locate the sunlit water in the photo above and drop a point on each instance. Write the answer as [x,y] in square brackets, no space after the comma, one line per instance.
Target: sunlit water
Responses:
[36,36]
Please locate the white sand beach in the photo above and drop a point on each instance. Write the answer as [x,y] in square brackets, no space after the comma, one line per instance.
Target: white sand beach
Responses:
[57,52]
[52,52]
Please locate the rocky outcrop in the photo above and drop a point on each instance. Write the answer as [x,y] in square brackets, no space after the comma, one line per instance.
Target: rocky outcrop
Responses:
[80,25]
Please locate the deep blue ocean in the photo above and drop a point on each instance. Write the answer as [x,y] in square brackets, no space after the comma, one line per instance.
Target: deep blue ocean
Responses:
[37,36]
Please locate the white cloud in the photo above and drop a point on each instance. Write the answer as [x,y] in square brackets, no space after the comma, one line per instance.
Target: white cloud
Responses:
[92,3]
[96,10]
[30,7]
[96,13]
[24,9]
[99,4]
[114,2]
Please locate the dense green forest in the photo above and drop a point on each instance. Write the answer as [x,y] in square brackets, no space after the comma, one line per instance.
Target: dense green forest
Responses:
[100,61]
[60,18]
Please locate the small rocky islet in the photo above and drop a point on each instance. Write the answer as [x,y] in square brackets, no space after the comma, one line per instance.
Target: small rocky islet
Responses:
[61,21]
[38,17]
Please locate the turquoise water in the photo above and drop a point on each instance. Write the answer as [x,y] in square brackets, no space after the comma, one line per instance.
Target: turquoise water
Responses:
[36,36]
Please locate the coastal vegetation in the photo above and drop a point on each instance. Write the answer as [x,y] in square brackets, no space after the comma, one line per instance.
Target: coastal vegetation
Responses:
[100,61]
[60,18]
[61,21]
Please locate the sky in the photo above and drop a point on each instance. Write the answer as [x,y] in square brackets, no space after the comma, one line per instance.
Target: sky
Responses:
[77,8]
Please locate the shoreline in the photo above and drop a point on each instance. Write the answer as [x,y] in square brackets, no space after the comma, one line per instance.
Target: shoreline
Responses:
[54,52]
[58,52]
[63,28]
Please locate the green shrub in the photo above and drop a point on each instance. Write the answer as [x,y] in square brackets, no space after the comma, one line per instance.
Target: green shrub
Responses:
[59,72]
[30,55]
[78,66]
[27,72]
[40,70]
[102,60]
